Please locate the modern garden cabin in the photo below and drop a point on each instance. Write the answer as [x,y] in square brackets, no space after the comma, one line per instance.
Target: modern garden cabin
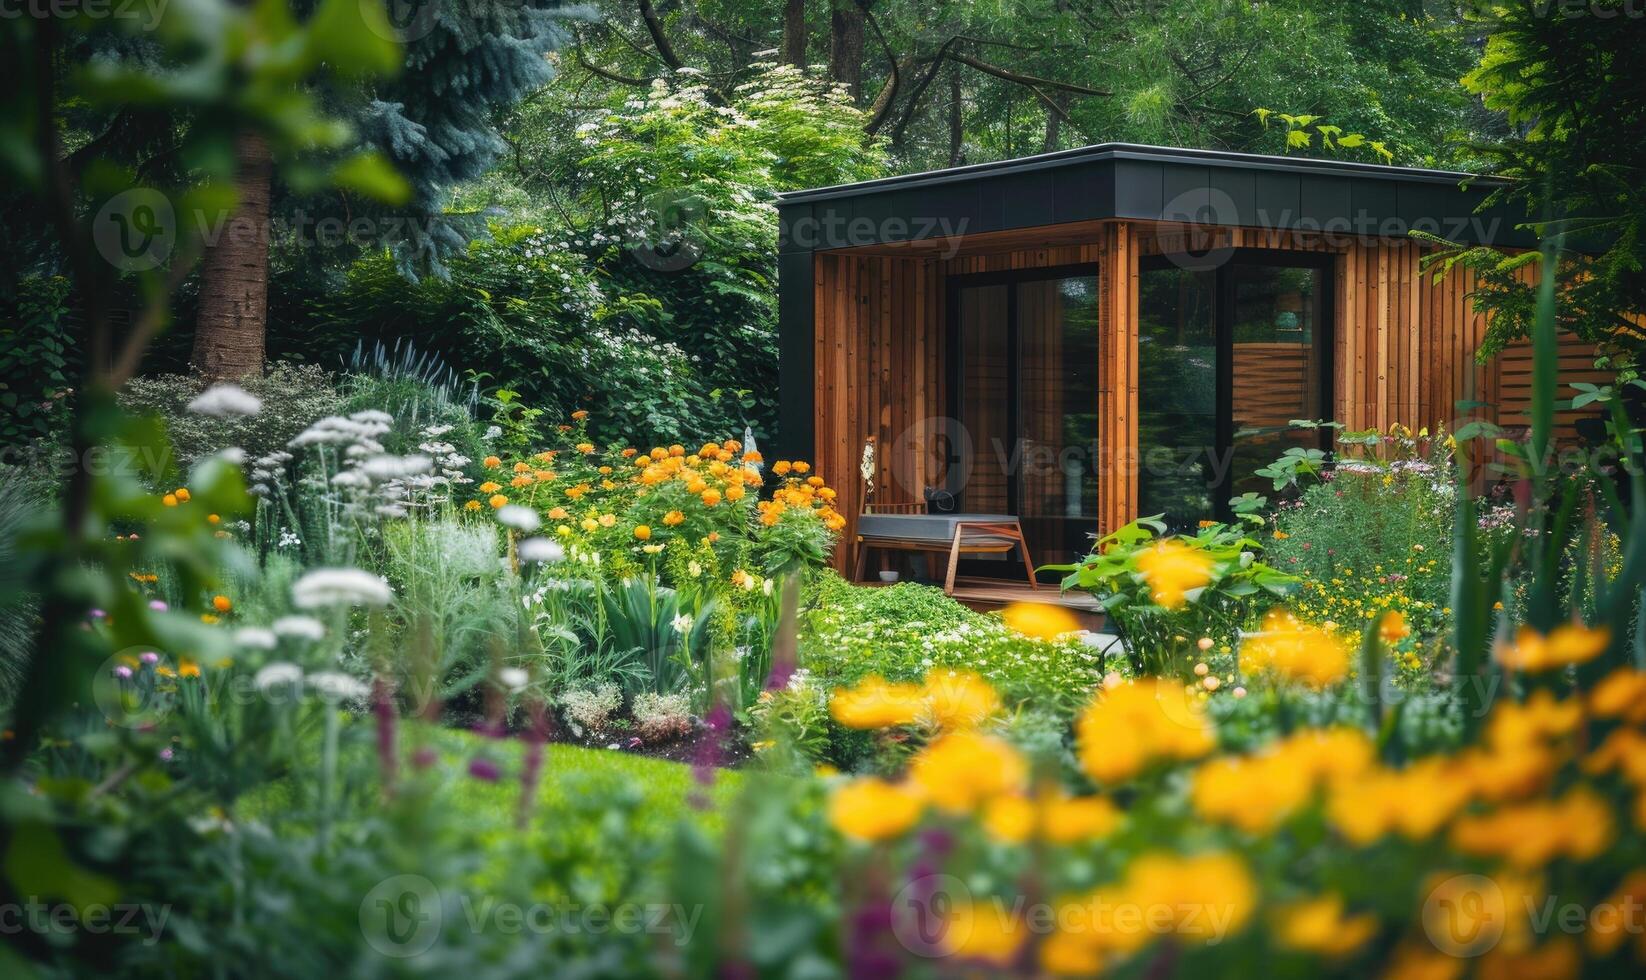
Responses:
[1079,338]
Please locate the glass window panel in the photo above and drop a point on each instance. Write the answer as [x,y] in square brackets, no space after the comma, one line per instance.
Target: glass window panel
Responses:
[1177,394]
[1276,366]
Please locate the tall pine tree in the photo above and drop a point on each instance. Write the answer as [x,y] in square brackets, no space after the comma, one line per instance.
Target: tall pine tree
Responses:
[464,60]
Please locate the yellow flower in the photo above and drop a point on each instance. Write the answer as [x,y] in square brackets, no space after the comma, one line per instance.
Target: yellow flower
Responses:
[1572,643]
[1620,694]
[873,703]
[959,699]
[1172,570]
[187,668]
[585,447]
[987,931]
[1319,926]
[1176,894]
[1133,725]
[1529,835]
[170,500]
[1009,819]
[472,505]
[872,809]
[1039,619]
[497,501]
[963,769]
[1064,954]
[491,462]
[673,518]
[1073,819]
[1393,628]
[643,532]
[213,519]
[1296,651]
[490,487]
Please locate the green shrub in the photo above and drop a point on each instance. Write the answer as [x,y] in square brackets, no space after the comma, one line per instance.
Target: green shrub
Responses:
[293,395]
[38,359]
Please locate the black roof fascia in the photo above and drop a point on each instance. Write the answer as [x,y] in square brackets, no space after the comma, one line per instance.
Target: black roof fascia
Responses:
[1121,180]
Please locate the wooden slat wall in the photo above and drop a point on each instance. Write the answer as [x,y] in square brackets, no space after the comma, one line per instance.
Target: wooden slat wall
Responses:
[1577,363]
[1404,349]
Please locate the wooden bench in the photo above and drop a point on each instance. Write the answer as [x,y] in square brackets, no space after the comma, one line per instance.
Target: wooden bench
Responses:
[908,527]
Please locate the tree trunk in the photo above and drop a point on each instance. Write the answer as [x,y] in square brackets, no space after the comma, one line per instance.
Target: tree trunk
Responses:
[1054,122]
[234,274]
[957,131]
[793,51]
[846,47]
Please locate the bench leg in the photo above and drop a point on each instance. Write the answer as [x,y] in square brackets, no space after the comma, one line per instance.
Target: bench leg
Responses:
[954,561]
[862,560]
[1028,563]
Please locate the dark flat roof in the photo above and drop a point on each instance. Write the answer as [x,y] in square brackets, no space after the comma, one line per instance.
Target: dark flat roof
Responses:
[1150,183]
[1138,151]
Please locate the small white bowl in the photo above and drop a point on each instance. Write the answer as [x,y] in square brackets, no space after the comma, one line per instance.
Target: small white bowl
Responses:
[888,576]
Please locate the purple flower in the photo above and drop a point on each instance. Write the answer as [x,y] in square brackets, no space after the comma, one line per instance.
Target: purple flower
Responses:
[157,605]
[484,769]
[166,754]
[97,614]
[123,672]
[424,757]
[149,657]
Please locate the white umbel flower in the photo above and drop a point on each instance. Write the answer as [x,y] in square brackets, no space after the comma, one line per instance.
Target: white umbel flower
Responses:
[256,638]
[325,587]
[277,674]
[541,550]
[513,678]
[335,686]
[299,628]
[518,517]
[225,401]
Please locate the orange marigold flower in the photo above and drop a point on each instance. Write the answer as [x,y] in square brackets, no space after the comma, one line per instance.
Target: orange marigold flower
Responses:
[802,467]
[643,532]
[579,415]
[753,457]
[491,462]
[472,505]
[627,453]
[497,500]
[221,603]
[490,487]
[585,447]
[673,518]
[213,519]
[710,498]
[522,467]
[781,467]
[183,494]
[170,500]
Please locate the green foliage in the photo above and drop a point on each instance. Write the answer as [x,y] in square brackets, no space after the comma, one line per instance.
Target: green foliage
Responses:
[1221,583]
[666,195]
[293,395]
[901,632]
[1571,87]
[38,362]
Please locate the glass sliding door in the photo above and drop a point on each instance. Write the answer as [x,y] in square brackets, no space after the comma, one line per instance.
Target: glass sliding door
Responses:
[1228,357]
[1057,398]
[1024,374]
[1177,426]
